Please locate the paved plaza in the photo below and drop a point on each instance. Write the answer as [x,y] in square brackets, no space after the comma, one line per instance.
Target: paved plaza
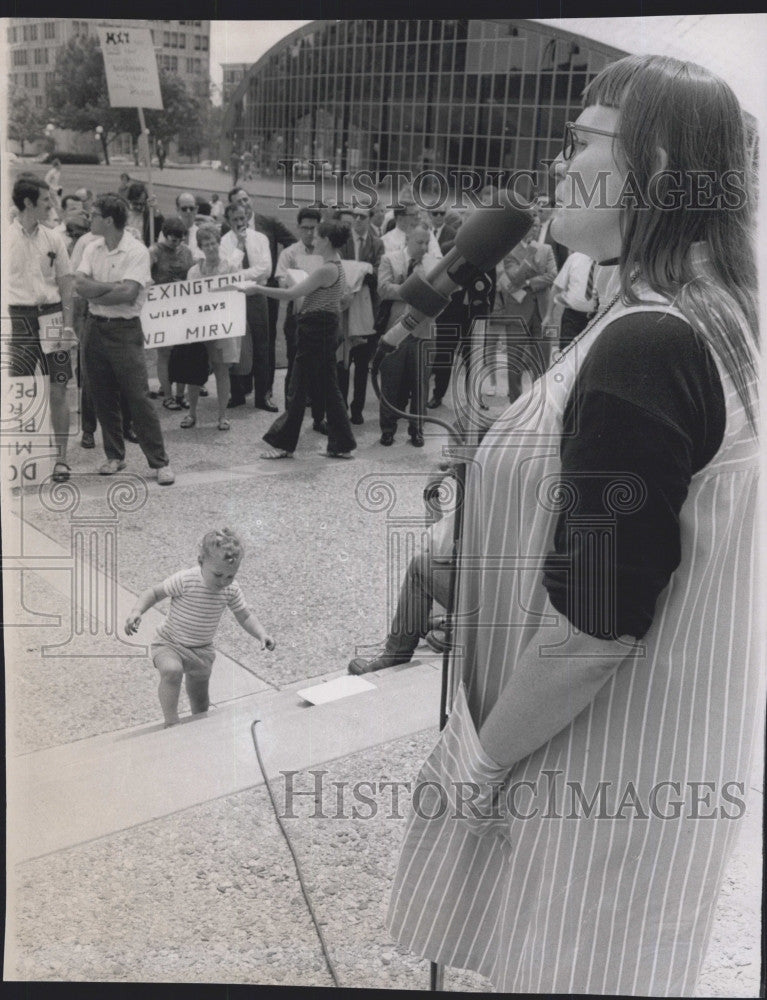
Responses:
[139,854]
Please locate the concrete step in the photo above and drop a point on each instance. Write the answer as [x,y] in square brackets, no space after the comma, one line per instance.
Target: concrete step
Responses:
[78,792]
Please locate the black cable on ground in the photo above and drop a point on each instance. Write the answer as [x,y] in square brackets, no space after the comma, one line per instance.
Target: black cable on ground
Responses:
[323,945]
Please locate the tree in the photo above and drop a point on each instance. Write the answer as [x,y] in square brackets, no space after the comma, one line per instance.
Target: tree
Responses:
[26,123]
[79,99]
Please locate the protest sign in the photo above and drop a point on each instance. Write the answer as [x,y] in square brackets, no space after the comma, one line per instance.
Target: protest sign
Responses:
[26,443]
[131,67]
[189,312]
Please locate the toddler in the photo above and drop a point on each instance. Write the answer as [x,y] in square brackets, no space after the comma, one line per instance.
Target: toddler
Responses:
[184,643]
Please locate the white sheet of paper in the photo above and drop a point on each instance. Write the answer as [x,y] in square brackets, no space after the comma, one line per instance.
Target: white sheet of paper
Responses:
[341,687]
[51,331]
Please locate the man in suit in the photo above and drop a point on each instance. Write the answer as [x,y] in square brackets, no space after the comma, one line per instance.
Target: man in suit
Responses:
[444,234]
[138,215]
[364,246]
[377,213]
[404,372]
[279,236]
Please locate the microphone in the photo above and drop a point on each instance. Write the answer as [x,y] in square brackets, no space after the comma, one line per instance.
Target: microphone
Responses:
[482,241]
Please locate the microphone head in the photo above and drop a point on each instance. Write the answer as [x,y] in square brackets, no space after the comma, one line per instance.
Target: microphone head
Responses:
[490,232]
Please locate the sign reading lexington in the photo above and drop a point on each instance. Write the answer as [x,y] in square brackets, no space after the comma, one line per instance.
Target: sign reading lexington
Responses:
[187,312]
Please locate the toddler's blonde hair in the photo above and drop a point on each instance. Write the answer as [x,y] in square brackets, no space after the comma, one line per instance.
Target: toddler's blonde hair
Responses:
[222,542]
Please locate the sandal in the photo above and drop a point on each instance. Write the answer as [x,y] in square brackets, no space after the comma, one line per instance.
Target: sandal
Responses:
[170,403]
[188,421]
[224,424]
[62,476]
[182,402]
[275,453]
[335,454]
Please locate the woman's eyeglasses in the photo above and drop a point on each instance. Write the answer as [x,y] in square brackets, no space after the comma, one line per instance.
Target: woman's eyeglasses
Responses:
[571,137]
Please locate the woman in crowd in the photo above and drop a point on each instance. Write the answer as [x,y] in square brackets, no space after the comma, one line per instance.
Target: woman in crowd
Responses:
[314,370]
[605,708]
[220,353]
[170,260]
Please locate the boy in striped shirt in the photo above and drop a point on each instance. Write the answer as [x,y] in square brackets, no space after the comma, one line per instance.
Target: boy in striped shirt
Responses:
[184,643]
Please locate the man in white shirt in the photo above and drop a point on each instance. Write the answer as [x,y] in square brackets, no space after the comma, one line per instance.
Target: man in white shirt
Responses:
[249,250]
[365,246]
[405,217]
[40,285]
[404,372]
[278,235]
[113,276]
[575,298]
[186,207]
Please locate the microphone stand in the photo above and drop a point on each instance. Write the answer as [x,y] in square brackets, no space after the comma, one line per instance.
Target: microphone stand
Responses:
[459,435]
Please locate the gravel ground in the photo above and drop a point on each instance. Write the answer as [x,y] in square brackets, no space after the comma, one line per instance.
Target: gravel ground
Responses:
[210,895]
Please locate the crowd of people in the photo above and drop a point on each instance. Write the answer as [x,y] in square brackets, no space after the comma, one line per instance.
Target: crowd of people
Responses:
[113,246]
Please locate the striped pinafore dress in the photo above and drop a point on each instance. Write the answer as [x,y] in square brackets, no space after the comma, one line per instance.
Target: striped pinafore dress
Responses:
[592,901]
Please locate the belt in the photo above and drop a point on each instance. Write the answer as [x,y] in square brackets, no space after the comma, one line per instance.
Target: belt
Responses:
[37,310]
[113,319]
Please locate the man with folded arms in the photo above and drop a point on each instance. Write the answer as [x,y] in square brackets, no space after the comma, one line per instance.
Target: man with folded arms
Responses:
[113,276]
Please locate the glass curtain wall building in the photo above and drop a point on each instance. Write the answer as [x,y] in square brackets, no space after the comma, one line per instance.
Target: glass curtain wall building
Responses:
[385,95]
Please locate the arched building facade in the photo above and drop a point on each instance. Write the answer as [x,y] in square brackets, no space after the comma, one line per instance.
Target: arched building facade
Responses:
[388,95]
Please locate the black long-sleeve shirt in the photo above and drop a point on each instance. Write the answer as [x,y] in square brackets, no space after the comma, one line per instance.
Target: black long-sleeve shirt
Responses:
[648,410]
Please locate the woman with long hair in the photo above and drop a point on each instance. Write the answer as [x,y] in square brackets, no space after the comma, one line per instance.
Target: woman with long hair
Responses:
[314,372]
[572,825]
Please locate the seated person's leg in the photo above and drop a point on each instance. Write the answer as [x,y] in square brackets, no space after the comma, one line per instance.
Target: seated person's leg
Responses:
[424,581]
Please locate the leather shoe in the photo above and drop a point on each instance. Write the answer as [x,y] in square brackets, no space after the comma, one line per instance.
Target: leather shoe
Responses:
[416,440]
[387,438]
[361,666]
[265,403]
[357,418]
[235,401]
[434,402]
[321,427]
[86,441]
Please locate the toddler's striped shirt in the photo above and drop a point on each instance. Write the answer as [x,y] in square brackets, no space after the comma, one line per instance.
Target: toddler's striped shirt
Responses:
[195,610]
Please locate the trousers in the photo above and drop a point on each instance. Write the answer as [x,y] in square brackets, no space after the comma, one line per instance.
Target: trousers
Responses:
[573,322]
[314,372]
[359,356]
[426,580]
[114,365]
[404,378]
[257,356]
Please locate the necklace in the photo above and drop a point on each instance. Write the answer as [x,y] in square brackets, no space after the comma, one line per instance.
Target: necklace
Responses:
[598,316]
